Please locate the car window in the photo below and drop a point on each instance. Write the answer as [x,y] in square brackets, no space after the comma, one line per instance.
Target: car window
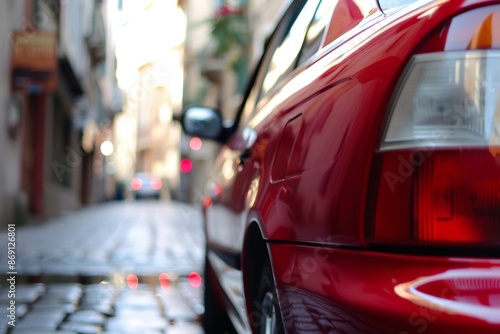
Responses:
[284,56]
[387,4]
[294,23]
[316,32]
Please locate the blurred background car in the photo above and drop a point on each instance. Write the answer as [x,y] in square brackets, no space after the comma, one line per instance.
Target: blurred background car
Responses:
[144,185]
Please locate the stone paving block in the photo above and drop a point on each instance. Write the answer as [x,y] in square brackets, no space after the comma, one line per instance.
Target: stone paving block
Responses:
[139,324]
[138,301]
[88,317]
[39,331]
[104,308]
[101,303]
[128,311]
[99,294]
[81,328]
[47,320]
[38,323]
[65,290]
[25,294]
[21,310]
[49,305]
[137,298]
[95,294]
[192,295]
[62,293]
[176,308]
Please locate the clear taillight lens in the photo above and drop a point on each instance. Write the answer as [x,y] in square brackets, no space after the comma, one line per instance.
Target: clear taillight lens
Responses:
[438,164]
[448,99]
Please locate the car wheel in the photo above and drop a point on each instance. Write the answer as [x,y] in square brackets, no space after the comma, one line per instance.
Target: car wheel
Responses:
[215,319]
[270,321]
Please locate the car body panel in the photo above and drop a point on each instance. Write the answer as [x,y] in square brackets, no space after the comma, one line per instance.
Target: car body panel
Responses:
[332,283]
[358,98]
[230,171]
[298,165]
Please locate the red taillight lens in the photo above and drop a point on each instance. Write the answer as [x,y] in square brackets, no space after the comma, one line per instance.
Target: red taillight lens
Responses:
[186,166]
[136,183]
[457,197]
[156,183]
[195,280]
[438,196]
[437,170]
[132,281]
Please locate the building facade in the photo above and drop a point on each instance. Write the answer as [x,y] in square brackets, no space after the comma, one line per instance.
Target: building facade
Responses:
[224,41]
[12,13]
[53,72]
[149,41]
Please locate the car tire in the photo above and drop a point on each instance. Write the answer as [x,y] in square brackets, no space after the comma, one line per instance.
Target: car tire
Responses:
[267,305]
[215,320]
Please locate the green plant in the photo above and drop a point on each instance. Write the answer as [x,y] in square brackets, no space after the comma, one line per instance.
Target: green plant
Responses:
[230,32]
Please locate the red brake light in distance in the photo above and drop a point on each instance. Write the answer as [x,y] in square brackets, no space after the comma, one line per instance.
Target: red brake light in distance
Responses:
[438,163]
[136,183]
[165,283]
[132,281]
[156,183]
[186,166]
[195,144]
[195,279]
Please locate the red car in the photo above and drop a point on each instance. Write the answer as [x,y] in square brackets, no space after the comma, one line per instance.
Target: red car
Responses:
[358,189]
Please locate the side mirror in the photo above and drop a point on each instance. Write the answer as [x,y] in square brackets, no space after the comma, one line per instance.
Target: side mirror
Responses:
[202,122]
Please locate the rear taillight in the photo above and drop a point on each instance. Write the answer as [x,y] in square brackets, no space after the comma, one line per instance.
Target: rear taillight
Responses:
[448,196]
[437,169]
[156,183]
[136,183]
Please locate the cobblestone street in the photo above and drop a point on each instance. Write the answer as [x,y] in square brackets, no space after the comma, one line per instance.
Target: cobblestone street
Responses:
[121,267]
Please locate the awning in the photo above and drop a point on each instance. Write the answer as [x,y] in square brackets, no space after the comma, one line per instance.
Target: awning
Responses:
[70,79]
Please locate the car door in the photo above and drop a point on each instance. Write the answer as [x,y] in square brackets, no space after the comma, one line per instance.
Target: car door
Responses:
[240,165]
